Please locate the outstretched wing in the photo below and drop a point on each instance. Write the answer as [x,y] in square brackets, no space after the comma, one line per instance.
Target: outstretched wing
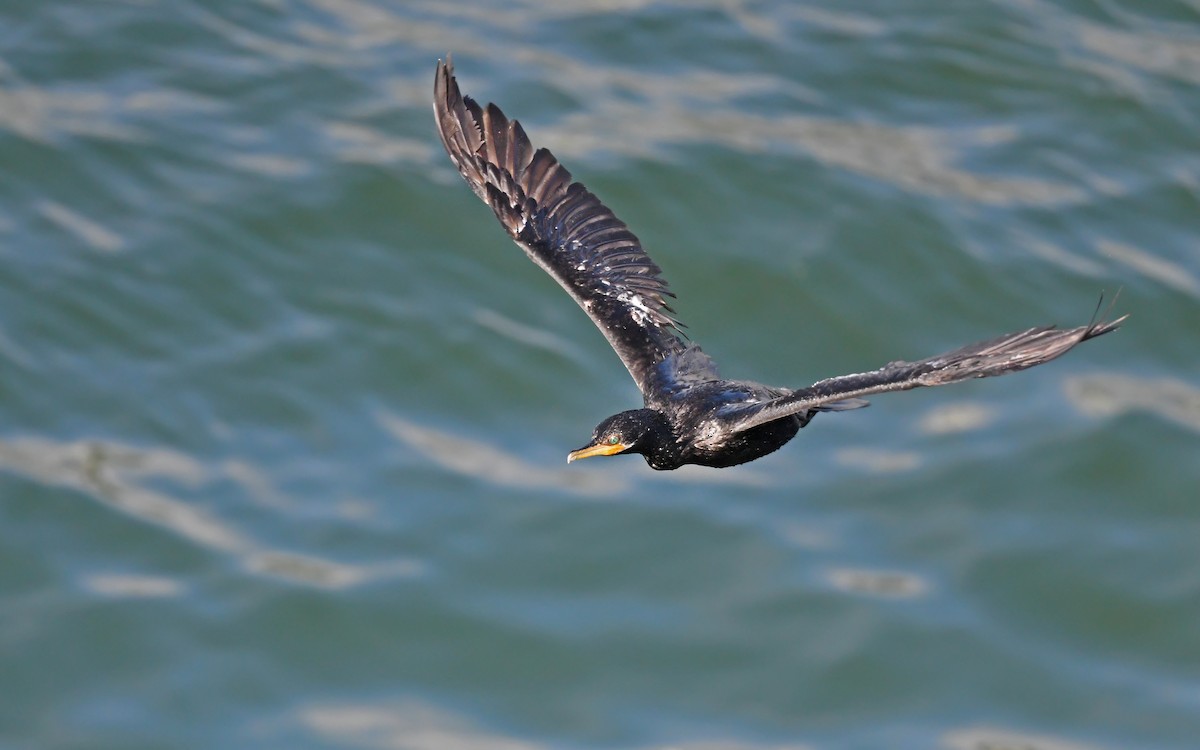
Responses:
[564,229]
[999,356]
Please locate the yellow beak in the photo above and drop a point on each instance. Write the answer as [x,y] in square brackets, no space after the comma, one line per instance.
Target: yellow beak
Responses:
[596,449]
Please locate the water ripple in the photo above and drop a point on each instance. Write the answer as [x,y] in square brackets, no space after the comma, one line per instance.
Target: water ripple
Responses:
[111,473]
[1165,272]
[957,417]
[879,461]
[918,158]
[888,584]
[1110,395]
[993,738]
[414,725]
[125,585]
[88,231]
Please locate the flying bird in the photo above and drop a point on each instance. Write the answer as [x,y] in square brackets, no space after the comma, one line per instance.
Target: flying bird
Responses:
[691,415]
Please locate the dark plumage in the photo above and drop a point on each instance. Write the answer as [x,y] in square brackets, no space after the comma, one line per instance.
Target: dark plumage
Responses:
[691,414]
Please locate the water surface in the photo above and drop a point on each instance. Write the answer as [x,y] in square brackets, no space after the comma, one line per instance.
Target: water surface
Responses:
[283,414]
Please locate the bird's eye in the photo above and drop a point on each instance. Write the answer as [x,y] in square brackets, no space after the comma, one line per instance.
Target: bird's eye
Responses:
[613,440]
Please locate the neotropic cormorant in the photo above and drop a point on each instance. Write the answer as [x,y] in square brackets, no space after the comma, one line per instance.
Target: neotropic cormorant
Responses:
[691,414]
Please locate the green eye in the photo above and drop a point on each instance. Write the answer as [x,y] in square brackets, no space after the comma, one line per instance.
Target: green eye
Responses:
[612,440]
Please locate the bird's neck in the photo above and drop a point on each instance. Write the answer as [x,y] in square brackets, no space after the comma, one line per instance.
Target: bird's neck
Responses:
[659,444]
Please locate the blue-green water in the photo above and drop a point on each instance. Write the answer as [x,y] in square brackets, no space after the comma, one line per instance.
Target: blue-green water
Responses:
[283,414]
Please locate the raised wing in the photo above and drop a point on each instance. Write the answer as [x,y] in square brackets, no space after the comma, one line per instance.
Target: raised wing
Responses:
[999,356]
[564,229]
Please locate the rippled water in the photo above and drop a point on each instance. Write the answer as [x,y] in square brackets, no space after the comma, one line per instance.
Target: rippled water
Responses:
[283,413]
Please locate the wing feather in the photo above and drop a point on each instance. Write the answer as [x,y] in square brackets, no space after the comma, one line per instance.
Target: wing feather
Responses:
[567,231]
[1011,352]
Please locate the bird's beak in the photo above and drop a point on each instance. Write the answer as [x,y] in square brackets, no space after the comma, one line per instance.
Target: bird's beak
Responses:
[596,449]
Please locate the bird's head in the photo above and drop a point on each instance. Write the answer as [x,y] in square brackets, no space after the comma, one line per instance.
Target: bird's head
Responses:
[635,431]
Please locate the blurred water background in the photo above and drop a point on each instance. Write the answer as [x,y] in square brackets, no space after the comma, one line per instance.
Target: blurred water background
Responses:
[283,413]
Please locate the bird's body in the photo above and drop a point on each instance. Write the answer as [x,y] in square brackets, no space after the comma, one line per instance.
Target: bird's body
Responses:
[693,427]
[690,414]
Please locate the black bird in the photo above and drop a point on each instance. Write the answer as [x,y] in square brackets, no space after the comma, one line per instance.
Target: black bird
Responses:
[691,414]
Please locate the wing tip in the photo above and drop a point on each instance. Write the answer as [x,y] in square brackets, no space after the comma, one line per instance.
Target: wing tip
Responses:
[443,83]
[1098,326]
